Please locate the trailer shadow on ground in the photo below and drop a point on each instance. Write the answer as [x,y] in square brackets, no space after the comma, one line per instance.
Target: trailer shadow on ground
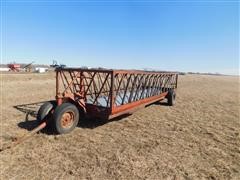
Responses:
[159,103]
[94,123]
[30,110]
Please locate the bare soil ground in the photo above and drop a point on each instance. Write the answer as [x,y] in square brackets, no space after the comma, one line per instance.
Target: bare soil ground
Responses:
[198,138]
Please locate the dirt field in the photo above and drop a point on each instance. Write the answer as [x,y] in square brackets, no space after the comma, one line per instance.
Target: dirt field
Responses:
[198,138]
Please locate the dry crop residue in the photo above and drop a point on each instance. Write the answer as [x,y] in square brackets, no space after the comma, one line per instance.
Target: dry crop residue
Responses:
[197,138]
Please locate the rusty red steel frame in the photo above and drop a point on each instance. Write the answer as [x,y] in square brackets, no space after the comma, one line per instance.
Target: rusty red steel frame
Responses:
[104,94]
[110,93]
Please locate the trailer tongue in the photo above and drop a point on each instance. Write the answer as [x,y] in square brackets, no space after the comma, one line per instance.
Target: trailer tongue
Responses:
[19,140]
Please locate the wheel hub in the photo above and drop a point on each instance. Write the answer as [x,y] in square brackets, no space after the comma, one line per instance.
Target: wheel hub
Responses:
[67,119]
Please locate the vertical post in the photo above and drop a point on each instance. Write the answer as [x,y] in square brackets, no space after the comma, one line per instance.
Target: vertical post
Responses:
[81,83]
[57,85]
[58,99]
[176,80]
[112,96]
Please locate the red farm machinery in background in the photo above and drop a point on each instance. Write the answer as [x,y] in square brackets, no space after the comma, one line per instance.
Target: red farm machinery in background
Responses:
[14,67]
[103,94]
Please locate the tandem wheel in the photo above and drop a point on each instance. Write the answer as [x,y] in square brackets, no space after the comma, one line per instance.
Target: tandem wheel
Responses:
[65,117]
[171,97]
[45,111]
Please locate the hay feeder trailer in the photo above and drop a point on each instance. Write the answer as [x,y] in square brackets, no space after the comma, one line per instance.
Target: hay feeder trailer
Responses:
[103,94]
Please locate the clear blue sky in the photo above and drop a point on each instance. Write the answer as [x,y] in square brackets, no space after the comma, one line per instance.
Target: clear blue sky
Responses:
[166,35]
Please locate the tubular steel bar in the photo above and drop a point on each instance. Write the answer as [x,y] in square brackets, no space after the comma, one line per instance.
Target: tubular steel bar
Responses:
[24,137]
[108,93]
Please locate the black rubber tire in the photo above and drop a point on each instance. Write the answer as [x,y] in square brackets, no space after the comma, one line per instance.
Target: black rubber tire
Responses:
[44,111]
[57,117]
[171,97]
